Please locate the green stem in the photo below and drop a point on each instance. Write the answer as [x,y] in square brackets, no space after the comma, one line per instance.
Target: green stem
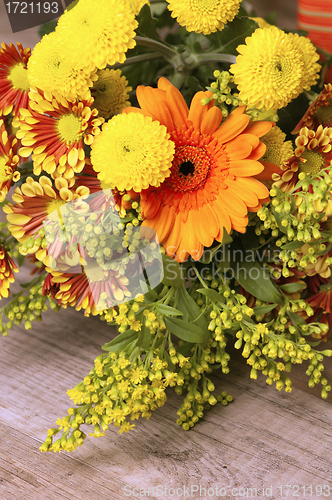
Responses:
[138,59]
[198,59]
[154,44]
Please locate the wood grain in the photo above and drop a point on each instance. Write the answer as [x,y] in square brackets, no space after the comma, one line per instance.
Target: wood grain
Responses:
[264,438]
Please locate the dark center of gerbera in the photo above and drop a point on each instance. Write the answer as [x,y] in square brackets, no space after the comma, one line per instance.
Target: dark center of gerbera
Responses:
[190,168]
[187,168]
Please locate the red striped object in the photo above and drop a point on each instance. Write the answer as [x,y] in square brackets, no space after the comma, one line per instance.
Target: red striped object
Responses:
[315,16]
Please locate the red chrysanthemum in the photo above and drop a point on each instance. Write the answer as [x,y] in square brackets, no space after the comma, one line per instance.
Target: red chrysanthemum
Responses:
[14,84]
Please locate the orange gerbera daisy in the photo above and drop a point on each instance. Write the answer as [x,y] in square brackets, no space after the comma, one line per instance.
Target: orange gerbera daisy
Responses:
[14,84]
[54,131]
[34,203]
[212,184]
[7,266]
[9,160]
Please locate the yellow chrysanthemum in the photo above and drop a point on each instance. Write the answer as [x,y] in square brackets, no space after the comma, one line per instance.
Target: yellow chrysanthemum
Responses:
[310,58]
[277,149]
[204,16]
[271,68]
[132,152]
[97,35]
[110,92]
[51,67]
[136,5]
[261,22]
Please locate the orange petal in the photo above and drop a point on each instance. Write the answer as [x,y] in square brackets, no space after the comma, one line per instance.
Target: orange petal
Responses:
[171,242]
[238,148]
[250,183]
[258,152]
[242,190]
[233,205]
[150,204]
[269,169]
[259,128]
[211,120]
[223,217]
[245,168]
[162,223]
[163,83]
[194,222]
[177,106]
[234,124]
[197,111]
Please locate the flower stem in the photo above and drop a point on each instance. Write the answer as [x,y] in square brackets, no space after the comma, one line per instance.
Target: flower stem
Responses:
[158,46]
[198,59]
[137,59]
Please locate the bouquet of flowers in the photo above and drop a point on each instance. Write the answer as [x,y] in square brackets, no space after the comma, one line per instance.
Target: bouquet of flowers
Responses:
[169,166]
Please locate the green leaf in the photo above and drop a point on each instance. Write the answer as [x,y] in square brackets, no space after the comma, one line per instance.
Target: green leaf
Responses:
[293,245]
[173,275]
[191,310]
[121,341]
[144,338]
[186,331]
[232,35]
[296,319]
[293,287]
[47,28]
[264,309]
[146,23]
[279,216]
[255,279]
[211,294]
[168,310]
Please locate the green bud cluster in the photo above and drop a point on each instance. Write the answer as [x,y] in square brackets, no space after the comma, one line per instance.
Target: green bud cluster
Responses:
[26,306]
[119,388]
[224,92]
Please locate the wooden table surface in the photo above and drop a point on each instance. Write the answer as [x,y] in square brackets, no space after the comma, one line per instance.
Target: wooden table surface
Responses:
[265,439]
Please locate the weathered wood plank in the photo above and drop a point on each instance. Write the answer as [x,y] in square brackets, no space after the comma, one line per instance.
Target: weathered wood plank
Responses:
[263,438]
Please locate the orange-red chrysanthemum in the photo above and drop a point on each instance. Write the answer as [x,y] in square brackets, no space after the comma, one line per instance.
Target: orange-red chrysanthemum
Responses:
[319,113]
[212,185]
[93,289]
[14,84]
[54,130]
[313,152]
[7,266]
[34,203]
[9,161]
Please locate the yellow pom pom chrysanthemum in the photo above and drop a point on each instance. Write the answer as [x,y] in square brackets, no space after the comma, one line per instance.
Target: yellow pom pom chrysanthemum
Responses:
[310,58]
[132,152]
[110,92]
[98,33]
[204,16]
[51,68]
[273,68]
[136,5]
[277,149]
